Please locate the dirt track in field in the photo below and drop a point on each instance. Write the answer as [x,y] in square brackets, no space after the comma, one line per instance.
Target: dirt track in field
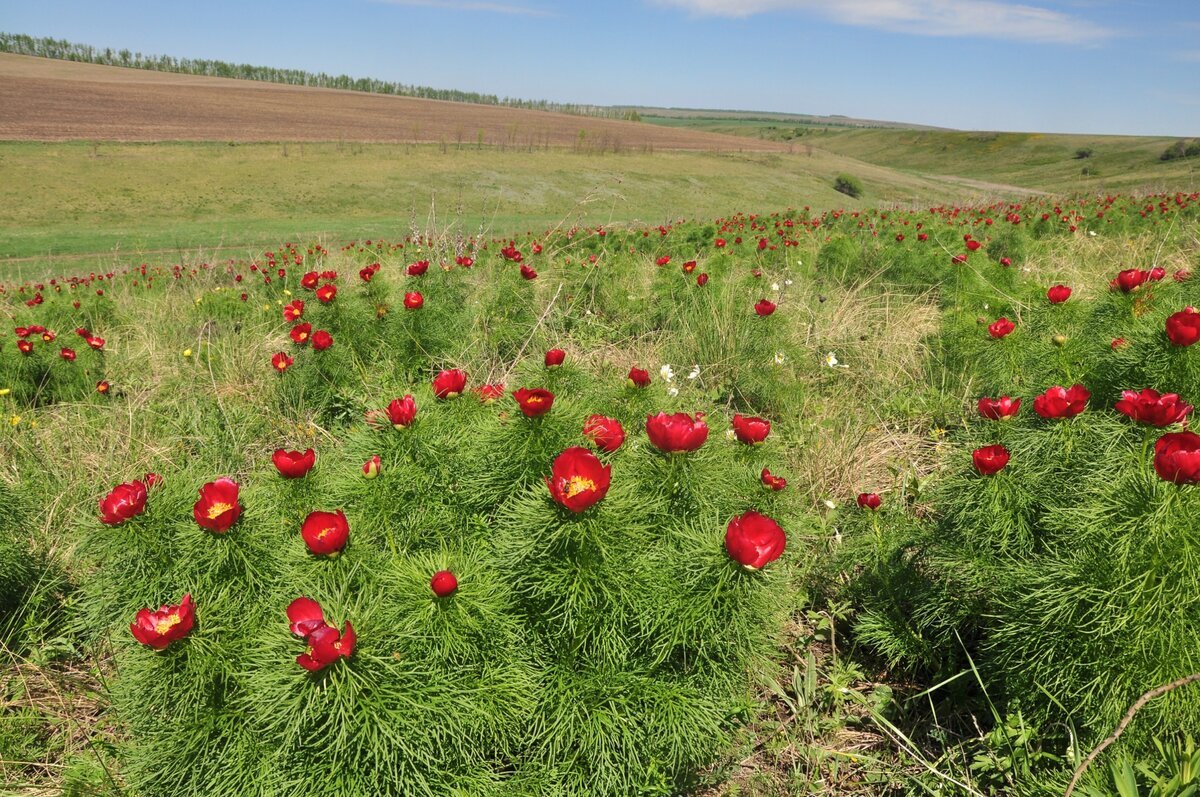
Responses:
[48,100]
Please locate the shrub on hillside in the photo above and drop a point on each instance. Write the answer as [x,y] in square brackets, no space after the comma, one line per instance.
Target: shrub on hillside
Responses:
[849,185]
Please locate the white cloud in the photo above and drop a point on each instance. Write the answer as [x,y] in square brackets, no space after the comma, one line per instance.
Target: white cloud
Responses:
[471,5]
[961,18]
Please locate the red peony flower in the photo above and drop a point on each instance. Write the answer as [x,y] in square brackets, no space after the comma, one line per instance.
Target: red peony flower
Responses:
[578,479]
[555,358]
[321,340]
[301,333]
[325,533]
[414,300]
[293,464]
[327,292]
[218,507]
[638,377]
[689,266]
[1130,279]
[310,280]
[1058,294]
[418,268]
[527,272]
[306,616]
[67,354]
[443,583]
[771,481]
[1006,261]
[371,467]
[102,387]
[24,346]
[126,501]
[489,394]
[676,433]
[662,261]
[325,644]
[281,362]
[293,310]
[605,433]
[990,460]
[750,431]
[754,540]
[869,501]
[534,402]
[1152,408]
[702,279]
[1183,328]
[449,384]
[158,629]
[1061,402]
[402,411]
[1000,409]
[1118,343]
[1177,457]
[764,307]
[1001,327]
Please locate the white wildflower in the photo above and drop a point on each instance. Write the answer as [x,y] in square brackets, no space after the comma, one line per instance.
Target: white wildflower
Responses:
[774,286]
[787,282]
[673,392]
[730,434]
[832,361]
[666,373]
[780,359]
[695,372]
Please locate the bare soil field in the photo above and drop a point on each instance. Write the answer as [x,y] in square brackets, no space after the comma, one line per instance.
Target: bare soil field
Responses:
[49,100]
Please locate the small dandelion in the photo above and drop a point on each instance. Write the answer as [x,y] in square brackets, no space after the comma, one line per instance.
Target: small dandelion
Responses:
[187,352]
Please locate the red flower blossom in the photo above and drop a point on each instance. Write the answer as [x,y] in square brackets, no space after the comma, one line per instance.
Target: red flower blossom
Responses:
[990,460]
[702,279]
[125,501]
[371,467]
[1118,343]
[676,433]
[325,644]
[325,533]
[321,340]
[764,307]
[102,387]
[443,583]
[218,507]
[281,361]
[293,310]
[606,434]
[1001,327]
[1130,279]
[750,431]
[306,616]
[489,394]
[67,354]
[973,245]
[1058,294]
[414,300]
[771,481]
[310,280]
[95,342]
[638,377]
[1177,457]
[300,333]
[402,411]
[578,479]
[869,501]
[527,272]
[689,267]
[1183,328]
[449,384]
[753,540]
[24,346]
[158,629]
[327,292]
[555,358]
[534,402]
[1006,261]
[418,268]
[1061,402]
[999,409]
[293,464]
[1152,408]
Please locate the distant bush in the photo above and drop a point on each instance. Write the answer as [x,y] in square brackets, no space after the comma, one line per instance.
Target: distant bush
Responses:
[1084,152]
[1183,148]
[849,185]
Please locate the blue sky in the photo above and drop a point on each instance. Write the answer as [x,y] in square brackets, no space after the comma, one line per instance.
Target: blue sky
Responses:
[1089,66]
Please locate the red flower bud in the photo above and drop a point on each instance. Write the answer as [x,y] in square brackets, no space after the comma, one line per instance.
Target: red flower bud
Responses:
[1177,457]
[606,434]
[1183,328]
[321,340]
[414,301]
[443,583]
[676,433]
[449,384]
[124,502]
[293,464]
[869,501]
[638,377]
[990,460]
[325,532]
[1000,409]
[750,431]
[1001,327]
[702,279]
[371,467]
[1058,294]
[402,411]
[764,307]
[753,540]
[555,358]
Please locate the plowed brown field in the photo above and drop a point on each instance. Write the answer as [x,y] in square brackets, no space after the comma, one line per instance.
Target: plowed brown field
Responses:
[47,100]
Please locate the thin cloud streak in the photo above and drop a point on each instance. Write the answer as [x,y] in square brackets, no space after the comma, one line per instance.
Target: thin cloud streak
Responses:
[469,5]
[958,18]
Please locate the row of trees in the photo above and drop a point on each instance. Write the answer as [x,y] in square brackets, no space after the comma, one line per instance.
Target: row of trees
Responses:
[22,44]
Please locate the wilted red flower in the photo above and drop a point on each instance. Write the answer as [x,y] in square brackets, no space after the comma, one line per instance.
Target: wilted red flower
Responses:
[771,481]
[281,361]
[1058,294]
[402,411]
[958,260]
[1061,402]
[449,383]
[999,409]
[638,377]
[702,279]
[293,310]
[327,292]
[555,358]
[753,540]
[67,354]
[371,467]
[218,507]
[1001,327]
[158,629]
[443,583]
[750,431]
[870,501]
[293,464]
[301,333]
[676,433]
[321,340]
[125,501]
[489,394]
[1150,407]
[534,402]
[764,307]
[578,479]
[1130,279]
[528,273]
[1183,328]
[990,460]
[325,533]
[414,300]
[1177,457]
[606,434]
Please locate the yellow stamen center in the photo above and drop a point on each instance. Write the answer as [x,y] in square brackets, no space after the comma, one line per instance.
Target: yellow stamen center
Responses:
[579,484]
[218,509]
[167,623]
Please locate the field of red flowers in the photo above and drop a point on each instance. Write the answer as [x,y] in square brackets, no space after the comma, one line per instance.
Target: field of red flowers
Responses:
[843,502]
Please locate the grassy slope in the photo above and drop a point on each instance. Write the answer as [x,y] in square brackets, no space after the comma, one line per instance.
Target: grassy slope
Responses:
[128,199]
